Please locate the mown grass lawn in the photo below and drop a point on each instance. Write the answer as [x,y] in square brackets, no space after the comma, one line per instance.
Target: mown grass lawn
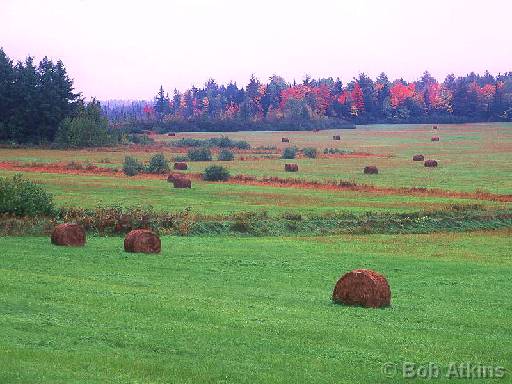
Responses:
[249,310]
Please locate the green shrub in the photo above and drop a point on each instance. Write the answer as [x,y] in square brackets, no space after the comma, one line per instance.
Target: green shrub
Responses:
[289,153]
[220,142]
[141,139]
[199,154]
[24,198]
[216,173]
[158,164]
[89,128]
[310,152]
[132,166]
[226,155]
[180,158]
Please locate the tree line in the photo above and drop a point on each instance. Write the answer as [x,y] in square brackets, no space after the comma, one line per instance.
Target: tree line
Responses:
[325,101]
[38,105]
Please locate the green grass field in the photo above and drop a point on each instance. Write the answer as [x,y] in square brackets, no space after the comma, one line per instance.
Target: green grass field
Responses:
[243,309]
[250,310]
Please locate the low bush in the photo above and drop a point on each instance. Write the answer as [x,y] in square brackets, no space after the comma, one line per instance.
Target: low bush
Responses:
[226,155]
[181,158]
[132,166]
[141,139]
[200,154]
[158,164]
[220,142]
[289,153]
[309,152]
[216,173]
[21,197]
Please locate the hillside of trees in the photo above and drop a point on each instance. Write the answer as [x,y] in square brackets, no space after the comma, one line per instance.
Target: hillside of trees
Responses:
[321,103]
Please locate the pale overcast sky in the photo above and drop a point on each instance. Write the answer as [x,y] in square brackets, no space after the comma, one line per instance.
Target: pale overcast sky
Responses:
[126,49]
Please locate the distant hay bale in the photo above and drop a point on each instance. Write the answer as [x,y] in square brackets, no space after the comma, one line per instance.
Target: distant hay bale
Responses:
[68,234]
[181,166]
[418,158]
[362,287]
[336,137]
[291,167]
[142,241]
[434,138]
[171,134]
[371,170]
[174,176]
[430,163]
[182,182]
[434,127]
[285,140]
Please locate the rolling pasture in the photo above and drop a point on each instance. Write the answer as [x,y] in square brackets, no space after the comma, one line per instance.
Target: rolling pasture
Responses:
[472,158]
[247,309]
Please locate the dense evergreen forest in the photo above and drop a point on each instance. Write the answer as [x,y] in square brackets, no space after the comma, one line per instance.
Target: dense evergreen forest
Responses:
[38,105]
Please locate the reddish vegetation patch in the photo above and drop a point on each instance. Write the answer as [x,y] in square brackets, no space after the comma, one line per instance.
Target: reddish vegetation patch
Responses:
[353,155]
[291,167]
[180,166]
[142,241]
[370,170]
[68,234]
[418,158]
[63,168]
[349,186]
[430,163]
[362,287]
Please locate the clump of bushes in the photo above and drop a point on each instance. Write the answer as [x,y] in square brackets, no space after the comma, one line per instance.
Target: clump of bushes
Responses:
[310,152]
[200,154]
[141,139]
[289,153]
[226,155]
[89,128]
[216,173]
[132,166]
[181,158]
[158,164]
[220,142]
[334,151]
[21,197]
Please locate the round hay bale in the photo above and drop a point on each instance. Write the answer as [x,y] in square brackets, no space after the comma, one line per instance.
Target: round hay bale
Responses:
[336,137]
[434,138]
[430,163]
[362,287]
[285,140]
[174,176]
[418,158]
[291,167]
[171,134]
[68,234]
[181,166]
[142,241]
[182,182]
[371,170]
